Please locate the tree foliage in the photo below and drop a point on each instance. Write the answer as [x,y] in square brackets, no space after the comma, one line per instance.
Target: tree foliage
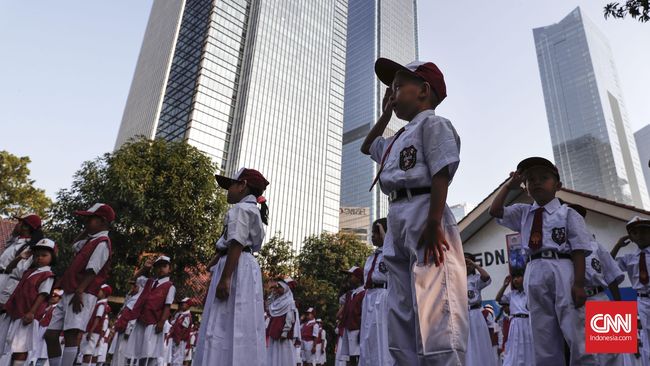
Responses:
[18,196]
[277,258]
[637,9]
[166,201]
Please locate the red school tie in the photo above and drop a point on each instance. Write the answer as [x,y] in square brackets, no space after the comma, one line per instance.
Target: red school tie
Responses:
[372,269]
[383,158]
[535,241]
[643,269]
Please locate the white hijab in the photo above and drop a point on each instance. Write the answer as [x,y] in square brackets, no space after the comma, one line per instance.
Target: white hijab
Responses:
[283,303]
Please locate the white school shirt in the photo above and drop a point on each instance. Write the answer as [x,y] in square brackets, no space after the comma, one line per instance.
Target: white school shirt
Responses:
[563,228]
[171,294]
[243,224]
[518,301]
[601,269]
[11,251]
[474,286]
[316,328]
[101,309]
[630,264]
[100,255]
[380,272]
[428,144]
[46,286]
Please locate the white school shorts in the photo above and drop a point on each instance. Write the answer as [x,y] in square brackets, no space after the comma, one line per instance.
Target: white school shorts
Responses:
[89,347]
[64,318]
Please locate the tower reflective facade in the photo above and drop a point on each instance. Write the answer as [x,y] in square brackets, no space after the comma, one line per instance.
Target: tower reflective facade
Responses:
[593,145]
[255,83]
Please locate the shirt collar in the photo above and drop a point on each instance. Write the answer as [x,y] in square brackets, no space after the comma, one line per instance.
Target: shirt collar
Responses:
[420,117]
[161,280]
[102,301]
[249,199]
[550,207]
[42,269]
[101,233]
[379,249]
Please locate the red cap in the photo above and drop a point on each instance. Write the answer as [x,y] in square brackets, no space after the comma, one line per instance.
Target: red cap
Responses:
[253,178]
[427,71]
[100,210]
[355,271]
[107,290]
[34,221]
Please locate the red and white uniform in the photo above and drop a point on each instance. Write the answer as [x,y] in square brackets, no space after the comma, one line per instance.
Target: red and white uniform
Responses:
[232,331]
[281,330]
[144,342]
[374,323]
[88,347]
[351,321]
[123,328]
[93,254]
[309,334]
[180,336]
[21,338]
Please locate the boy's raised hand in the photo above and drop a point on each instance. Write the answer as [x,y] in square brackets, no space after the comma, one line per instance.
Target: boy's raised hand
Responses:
[434,243]
[387,103]
[507,280]
[623,241]
[516,179]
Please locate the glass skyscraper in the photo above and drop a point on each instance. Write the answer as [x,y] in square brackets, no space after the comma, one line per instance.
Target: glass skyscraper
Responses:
[376,28]
[255,83]
[642,138]
[593,145]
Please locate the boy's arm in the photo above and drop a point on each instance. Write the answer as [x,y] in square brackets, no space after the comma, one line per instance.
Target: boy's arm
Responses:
[616,293]
[506,282]
[578,290]
[165,315]
[29,316]
[144,271]
[232,258]
[433,236]
[379,127]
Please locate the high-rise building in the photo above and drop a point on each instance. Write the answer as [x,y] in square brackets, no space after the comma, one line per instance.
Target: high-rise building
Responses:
[376,28]
[642,137]
[354,220]
[255,83]
[592,141]
[459,211]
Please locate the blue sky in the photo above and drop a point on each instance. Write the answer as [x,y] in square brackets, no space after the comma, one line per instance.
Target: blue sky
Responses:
[67,67]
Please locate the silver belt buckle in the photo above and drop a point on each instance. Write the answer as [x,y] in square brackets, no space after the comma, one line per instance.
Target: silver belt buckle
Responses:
[392,196]
[548,254]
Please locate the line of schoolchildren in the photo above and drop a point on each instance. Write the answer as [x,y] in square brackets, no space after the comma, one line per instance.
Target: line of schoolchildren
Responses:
[39,313]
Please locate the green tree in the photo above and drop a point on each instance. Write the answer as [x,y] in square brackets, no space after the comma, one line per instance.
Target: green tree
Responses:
[166,201]
[320,278]
[18,196]
[637,9]
[276,258]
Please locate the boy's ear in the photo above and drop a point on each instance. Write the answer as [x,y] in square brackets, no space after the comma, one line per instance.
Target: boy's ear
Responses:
[559,185]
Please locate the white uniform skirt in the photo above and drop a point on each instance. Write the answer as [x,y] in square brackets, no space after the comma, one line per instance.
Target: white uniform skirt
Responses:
[232,331]
[280,353]
[145,343]
[374,329]
[519,348]
[19,338]
[178,352]
[479,345]
[340,358]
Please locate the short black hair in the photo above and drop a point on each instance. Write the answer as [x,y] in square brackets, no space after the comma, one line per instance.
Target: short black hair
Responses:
[410,77]
[46,249]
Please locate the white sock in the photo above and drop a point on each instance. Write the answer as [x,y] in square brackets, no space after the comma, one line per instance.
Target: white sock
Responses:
[56,361]
[69,355]
[19,363]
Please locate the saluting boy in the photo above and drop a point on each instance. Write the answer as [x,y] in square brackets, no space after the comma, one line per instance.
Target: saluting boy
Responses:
[556,238]
[427,319]
[81,283]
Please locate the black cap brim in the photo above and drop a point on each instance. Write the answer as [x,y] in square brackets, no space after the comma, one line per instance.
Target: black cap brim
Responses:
[224,182]
[386,70]
[537,162]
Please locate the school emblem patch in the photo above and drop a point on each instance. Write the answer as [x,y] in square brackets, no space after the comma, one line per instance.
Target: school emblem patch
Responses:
[382,267]
[471,294]
[407,158]
[595,264]
[559,235]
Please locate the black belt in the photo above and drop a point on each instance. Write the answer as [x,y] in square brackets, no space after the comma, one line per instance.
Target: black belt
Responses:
[643,295]
[550,254]
[223,252]
[399,194]
[520,316]
[593,291]
[475,306]
[378,285]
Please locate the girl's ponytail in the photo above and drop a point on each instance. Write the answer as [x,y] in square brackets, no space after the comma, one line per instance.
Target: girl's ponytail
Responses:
[264,209]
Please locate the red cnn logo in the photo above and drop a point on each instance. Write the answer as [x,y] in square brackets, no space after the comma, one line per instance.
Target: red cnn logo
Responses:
[610,327]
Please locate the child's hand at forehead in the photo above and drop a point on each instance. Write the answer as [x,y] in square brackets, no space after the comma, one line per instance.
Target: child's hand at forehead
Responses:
[516,179]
